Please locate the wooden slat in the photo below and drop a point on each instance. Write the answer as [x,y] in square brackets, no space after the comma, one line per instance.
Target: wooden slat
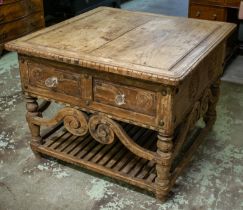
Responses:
[96,150]
[129,156]
[141,162]
[83,141]
[152,175]
[112,150]
[85,150]
[121,152]
[113,157]
[53,140]
[132,161]
[98,168]
[62,139]
[48,132]
[146,170]
[67,143]
[107,159]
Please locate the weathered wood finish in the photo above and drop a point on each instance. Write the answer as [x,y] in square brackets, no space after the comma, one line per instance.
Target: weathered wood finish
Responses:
[133,89]
[130,98]
[18,18]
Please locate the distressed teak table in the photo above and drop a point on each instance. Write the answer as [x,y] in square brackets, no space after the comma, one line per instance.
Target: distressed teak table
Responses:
[134,86]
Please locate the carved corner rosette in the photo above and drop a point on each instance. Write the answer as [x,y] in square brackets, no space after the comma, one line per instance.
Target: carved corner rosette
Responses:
[102,128]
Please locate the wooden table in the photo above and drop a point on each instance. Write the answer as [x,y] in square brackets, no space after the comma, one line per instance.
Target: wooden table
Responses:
[134,85]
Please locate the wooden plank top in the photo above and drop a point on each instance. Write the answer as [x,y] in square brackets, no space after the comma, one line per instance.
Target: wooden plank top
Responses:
[141,45]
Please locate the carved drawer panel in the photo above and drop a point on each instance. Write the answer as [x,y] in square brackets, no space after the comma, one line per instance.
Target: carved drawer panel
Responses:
[54,79]
[135,99]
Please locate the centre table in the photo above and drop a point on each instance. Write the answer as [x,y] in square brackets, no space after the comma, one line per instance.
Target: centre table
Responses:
[139,92]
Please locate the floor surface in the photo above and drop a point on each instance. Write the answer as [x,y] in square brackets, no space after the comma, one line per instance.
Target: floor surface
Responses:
[212,181]
[234,72]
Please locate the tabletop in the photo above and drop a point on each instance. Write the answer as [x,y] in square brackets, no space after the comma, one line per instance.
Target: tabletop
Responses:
[140,45]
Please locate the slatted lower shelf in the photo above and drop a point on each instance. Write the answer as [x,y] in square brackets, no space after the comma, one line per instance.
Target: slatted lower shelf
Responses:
[113,160]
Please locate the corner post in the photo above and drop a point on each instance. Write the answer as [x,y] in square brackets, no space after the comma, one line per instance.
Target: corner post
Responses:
[33,111]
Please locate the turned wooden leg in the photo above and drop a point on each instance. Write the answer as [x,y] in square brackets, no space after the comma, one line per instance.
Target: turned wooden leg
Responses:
[33,111]
[163,166]
[210,116]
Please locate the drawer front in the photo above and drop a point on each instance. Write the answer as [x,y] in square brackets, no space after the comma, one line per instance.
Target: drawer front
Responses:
[217,1]
[54,80]
[7,2]
[34,6]
[207,12]
[13,30]
[130,98]
[224,3]
[10,12]
[233,3]
[212,2]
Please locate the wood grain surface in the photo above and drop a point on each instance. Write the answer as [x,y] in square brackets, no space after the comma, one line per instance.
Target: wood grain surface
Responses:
[151,47]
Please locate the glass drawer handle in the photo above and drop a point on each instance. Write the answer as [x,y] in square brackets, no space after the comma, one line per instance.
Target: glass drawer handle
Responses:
[120,99]
[51,82]
[215,16]
[198,14]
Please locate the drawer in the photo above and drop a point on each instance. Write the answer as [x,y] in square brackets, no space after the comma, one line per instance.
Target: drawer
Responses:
[7,2]
[53,79]
[223,3]
[217,1]
[207,12]
[212,2]
[16,10]
[34,6]
[130,98]
[15,29]
[233,3]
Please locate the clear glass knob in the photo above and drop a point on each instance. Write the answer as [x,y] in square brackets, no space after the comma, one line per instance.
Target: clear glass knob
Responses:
[51,82]
[120,99]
